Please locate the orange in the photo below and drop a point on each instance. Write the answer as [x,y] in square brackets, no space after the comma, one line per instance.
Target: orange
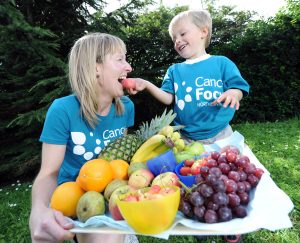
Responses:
[65,198]
[120,169]
[94,175]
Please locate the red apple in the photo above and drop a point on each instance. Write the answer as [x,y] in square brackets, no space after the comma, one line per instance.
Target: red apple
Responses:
[112,205]
[140,178]
[166,179]
[128,83]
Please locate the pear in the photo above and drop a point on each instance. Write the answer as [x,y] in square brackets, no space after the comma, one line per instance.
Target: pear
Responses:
[90,204]
[113,185]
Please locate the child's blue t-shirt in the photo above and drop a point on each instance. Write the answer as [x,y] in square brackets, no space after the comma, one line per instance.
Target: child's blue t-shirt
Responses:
[64,125]
[195,86]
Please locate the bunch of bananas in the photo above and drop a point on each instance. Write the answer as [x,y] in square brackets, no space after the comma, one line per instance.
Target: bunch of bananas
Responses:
[167,138]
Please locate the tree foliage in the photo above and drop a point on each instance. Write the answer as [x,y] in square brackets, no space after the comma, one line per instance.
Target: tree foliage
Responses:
[28,61]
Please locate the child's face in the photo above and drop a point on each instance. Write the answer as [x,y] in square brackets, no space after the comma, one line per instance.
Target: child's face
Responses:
[189,39]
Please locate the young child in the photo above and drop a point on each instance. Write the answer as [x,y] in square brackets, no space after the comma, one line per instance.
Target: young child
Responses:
[205,89]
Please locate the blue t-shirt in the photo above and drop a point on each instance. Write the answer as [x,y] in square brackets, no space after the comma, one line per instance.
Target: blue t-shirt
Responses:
[65,126]
[195,86]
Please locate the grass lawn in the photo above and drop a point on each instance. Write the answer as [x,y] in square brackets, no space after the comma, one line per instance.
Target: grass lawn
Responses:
[276,145]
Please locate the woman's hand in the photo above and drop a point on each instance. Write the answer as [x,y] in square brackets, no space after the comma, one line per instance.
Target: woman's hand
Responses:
[230,97]
[49,226]
[46,224]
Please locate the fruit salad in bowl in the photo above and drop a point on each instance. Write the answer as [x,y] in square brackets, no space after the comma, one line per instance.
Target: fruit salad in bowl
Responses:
[150,210]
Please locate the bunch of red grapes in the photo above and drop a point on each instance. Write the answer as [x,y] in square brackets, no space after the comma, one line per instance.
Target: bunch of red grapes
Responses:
[221,190]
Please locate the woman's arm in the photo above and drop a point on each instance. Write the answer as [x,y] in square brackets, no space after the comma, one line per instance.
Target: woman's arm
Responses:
[46,224]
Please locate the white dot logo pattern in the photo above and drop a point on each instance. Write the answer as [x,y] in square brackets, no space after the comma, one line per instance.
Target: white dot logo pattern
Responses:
[187,98]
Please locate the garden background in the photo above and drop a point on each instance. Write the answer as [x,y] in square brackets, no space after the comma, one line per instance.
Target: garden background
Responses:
[36,36]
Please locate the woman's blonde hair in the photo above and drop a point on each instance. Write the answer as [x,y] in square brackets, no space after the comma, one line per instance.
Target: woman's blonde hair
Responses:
[85,54]
[200,18]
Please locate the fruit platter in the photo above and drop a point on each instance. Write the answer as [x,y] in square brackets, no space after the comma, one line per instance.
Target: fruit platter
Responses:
[154,183]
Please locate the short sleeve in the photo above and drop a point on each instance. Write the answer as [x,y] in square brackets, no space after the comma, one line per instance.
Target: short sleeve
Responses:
[168,82]
[129,111]
[56,128]
[233,78]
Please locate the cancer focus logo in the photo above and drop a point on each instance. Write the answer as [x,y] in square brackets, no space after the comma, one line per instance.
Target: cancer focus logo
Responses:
[79,140]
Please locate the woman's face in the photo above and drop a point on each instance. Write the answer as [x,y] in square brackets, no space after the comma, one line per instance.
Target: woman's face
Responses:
[111,72]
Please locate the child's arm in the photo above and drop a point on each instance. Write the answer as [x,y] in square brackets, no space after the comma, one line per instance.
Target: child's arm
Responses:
[230,97]
[141,84]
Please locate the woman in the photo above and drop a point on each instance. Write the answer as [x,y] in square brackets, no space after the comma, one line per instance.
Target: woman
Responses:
[75,129]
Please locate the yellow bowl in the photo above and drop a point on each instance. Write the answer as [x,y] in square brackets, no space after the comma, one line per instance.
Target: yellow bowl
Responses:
[151,216]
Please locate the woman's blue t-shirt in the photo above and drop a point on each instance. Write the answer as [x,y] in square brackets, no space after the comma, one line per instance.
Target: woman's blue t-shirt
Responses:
[64,125]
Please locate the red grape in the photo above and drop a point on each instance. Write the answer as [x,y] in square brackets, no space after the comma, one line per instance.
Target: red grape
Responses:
[215,155]
[253,180]
[224,214]
[234,200]
[244,197]
[222,159]
[258,172]
[210,216]
[231,186]
[215,171]
[234,175]
[231,156]
[250,168]
[224,167]
[240,211]
[211,163]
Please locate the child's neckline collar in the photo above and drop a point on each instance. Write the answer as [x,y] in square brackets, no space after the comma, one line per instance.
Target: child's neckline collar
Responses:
[198,59]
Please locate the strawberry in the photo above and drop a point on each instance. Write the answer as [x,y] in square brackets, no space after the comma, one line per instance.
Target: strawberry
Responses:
[195,169]
[189,162]
[128,83]
[185,171]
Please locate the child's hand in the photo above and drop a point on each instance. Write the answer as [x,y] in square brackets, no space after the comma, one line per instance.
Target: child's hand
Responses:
[140,84]
[231,97]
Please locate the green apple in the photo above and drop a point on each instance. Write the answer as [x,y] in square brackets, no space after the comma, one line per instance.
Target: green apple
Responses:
[183,155]
[195,148]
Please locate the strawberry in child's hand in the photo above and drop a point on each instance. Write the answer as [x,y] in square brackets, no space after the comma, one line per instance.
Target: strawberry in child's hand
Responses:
[128,83]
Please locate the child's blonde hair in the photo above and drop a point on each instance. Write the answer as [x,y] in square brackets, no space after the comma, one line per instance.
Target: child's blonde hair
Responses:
[86,52]
[200,18]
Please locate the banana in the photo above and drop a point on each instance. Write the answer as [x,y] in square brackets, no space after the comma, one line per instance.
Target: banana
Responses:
[157,151]
[147,147]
